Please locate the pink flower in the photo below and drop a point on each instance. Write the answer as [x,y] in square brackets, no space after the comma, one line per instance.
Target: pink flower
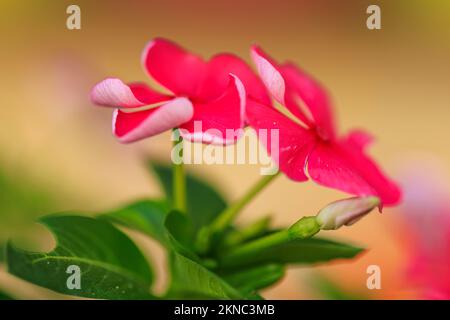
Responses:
[212,92]
[308,140]
[426,211]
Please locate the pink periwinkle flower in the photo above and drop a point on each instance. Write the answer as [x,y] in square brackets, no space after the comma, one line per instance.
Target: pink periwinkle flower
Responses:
[308,141]
[213,93]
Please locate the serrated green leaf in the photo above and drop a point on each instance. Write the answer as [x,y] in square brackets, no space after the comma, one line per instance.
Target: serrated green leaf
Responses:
[111,265]
[251,280]
[306,251]
[204,202]
[146,216]
[192,280]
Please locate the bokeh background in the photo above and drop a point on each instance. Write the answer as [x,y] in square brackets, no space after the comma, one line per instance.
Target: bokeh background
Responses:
[57,151]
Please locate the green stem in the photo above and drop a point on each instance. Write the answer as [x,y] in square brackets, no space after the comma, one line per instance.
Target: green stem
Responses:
[179,181]
[254,247]
[304,228]
[225,218]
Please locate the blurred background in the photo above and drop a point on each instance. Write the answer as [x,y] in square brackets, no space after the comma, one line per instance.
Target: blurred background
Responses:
[58,154]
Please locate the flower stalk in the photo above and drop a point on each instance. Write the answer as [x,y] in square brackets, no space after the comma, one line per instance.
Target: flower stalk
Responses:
[304,228]
[179,178]
[224,219]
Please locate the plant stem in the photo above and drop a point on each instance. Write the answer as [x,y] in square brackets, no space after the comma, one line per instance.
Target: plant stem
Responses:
[179,181]
[304,228]
[225,218]
[256,246]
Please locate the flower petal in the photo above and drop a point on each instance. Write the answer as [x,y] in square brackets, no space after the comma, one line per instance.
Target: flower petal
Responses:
[220,121]
[302,95]
[302,88]
[359,138]
[288,143]
[112,92]
[217,78]
[269,73]
[130,127]
[173,67]
[346,168]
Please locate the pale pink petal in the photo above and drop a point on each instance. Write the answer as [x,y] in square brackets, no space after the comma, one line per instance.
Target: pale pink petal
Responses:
[112,92]
[132,126]
[217,78]
[348,169]
[173,67]
[269,74]
[220,121]
[288,143]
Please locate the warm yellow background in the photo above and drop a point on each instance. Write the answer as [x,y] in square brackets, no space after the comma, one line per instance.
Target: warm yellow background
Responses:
[394,82]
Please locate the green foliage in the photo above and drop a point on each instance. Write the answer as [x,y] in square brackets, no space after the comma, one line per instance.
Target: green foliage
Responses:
[256,278]
[146,216]
[2,252]
[192,280]
[21,199]
[304,251]
[112,266]
[328,289]
[4,296]
[204,202]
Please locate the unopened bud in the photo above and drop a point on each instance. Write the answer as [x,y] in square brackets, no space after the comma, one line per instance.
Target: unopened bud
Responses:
[345,212]
[304,228]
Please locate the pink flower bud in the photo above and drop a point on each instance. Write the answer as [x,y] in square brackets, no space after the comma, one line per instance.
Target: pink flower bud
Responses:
[346,212]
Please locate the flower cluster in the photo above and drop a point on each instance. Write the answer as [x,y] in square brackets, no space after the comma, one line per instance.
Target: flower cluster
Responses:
[224,93]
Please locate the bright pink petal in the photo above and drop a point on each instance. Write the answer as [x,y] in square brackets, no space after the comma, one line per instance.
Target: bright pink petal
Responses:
[112,92]
[359,138]
[348,169]
[288,143]
[173,67]
[217,79]
[272,75]
[132,126]
[220,121]
[303,89]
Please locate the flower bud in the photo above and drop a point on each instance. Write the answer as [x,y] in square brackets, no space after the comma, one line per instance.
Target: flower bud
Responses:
[346,212]
[304,228]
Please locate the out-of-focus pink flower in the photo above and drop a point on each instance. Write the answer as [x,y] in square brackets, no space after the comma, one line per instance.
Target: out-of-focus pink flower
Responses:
[212,92]
[426,211]
[308,139]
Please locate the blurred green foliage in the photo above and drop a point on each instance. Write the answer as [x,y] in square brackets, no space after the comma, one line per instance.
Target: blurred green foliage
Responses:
[21,200]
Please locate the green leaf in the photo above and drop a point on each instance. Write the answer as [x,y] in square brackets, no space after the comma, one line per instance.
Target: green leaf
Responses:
[330,290]
[4,296]
[111,265]
[180,234]
[236,235]
[2,252]
[146,216]
[204,202]
[306,251]
[251,280]
[192,280]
